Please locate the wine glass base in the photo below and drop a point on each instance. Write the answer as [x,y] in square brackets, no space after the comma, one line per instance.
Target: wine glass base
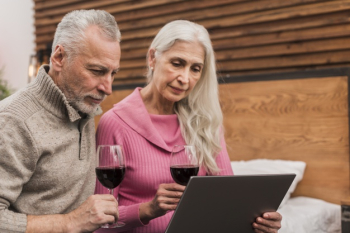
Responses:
[113,225]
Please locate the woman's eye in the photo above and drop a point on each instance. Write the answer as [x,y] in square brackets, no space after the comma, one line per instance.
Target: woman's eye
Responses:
[176,64]
[196,69]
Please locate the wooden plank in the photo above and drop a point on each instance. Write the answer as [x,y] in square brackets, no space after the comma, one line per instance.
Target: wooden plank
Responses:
[212,13]
[234,74]
[108,5]
[60,10]
[313,46]
[284,36]
[281,26]
[121,82]
[176,7]
[232,51]
[304,120]
[158,8]
[307,59]
[126,74]
[42,5]
[278,14]
[125,7]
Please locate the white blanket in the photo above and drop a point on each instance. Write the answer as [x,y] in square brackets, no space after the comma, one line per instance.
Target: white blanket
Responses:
[310,215]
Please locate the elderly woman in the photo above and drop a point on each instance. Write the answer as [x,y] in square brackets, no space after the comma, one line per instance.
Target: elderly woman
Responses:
[180,105]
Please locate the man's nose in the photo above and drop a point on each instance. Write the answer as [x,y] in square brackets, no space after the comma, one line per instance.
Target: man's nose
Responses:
[106,85]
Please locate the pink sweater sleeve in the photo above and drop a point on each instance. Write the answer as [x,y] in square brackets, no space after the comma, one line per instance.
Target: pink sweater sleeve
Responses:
[109,132]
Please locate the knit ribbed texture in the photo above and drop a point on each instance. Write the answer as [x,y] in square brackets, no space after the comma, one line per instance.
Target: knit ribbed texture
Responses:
[45,168]
[147,141]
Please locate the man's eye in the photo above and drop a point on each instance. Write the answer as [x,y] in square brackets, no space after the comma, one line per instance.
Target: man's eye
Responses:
[97,72]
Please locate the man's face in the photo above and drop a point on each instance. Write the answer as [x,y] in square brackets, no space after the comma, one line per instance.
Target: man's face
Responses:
[87,78]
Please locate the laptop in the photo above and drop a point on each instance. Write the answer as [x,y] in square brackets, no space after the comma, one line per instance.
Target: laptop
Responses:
[220,204]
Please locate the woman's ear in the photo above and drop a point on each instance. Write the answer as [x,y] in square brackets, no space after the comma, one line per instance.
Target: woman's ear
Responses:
[57,58]
[151,58]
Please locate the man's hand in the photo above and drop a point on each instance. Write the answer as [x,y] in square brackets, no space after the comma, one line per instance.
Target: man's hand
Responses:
[89,216]
[94,212]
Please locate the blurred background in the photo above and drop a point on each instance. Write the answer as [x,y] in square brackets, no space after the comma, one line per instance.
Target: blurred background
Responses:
[17,41]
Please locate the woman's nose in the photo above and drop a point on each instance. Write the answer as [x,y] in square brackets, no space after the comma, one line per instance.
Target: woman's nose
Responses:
[184,76]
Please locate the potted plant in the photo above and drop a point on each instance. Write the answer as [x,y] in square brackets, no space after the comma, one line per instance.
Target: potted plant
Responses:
[5,90]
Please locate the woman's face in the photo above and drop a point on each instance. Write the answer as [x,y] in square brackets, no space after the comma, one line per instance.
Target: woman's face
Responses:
[177,70]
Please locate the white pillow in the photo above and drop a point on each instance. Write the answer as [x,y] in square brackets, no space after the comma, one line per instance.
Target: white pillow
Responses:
[268,166]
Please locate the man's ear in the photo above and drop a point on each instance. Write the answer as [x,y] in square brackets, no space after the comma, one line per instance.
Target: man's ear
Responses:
[152,58]
[57,58]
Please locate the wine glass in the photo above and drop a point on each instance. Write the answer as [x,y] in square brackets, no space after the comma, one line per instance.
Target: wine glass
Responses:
[110,170]
[183,163]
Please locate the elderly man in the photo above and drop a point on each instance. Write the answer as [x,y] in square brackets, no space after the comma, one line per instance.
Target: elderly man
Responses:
[47,138]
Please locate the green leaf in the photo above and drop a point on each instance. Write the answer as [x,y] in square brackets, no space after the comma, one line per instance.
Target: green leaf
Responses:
[5,90]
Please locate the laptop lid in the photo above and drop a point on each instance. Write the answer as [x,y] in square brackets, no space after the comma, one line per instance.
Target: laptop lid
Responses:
[229,204]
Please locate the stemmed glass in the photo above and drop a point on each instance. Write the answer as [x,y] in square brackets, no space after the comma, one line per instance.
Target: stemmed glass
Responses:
[110,170]
[183,163]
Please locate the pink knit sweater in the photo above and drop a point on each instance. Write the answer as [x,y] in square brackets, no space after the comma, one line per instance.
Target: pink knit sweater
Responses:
[147,141]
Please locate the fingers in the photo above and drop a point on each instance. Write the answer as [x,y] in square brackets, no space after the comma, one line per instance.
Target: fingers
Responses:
[173,187]
[270,222]
[170,190]
[106,197]
[104,209]
[95,211]
[167,197]
[275,216]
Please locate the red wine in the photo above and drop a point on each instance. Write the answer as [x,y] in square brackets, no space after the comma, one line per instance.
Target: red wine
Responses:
[182,173]
[110,177]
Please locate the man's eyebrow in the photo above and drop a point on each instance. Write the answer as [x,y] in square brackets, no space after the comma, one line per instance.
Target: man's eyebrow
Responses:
[96,66]
[102,68]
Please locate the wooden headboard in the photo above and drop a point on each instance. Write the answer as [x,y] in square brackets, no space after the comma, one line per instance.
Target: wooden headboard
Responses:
[300,116]
[293,116]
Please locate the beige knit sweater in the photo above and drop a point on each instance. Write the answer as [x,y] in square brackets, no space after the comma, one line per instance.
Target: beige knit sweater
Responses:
[47,154]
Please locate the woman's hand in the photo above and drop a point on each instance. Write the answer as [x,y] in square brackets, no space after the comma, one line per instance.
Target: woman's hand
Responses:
[268,223]
[166,198]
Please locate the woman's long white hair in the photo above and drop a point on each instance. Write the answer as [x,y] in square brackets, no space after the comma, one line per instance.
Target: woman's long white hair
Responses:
[200,113]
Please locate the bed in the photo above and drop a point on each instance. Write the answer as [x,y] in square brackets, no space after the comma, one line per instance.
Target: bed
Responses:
[293,122]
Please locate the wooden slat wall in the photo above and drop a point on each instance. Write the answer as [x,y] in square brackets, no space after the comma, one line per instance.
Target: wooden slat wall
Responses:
[301,119]
[249,37]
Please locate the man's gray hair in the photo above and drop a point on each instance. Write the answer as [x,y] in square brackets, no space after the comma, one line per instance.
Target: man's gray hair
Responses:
[70,32]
